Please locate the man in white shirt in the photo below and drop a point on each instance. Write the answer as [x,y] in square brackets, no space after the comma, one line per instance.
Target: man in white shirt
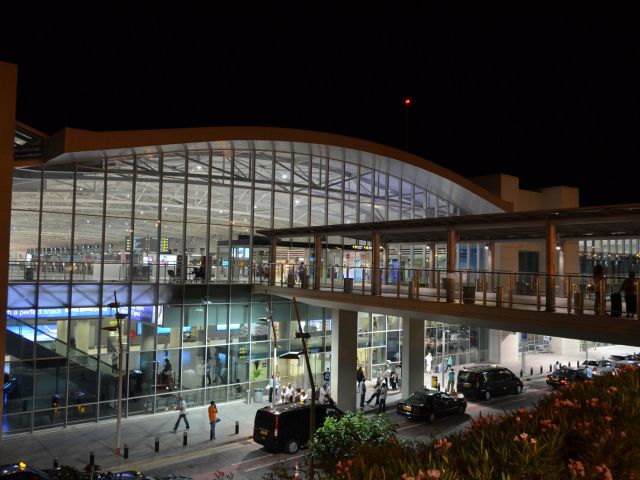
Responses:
[183,414]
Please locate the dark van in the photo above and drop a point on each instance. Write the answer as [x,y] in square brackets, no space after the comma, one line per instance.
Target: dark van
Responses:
[485,381]
[285,427]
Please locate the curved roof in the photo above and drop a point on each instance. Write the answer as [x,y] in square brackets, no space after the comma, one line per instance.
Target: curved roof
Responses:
[77,145]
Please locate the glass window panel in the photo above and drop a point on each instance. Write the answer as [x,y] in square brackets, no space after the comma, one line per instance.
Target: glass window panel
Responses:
[351,182]
[147,197]
[301,169]
[336,172]
[300,211]
[443,207]
[281,211]
[419,204]
[193,368]
[241,206]
[407,200]
[364,322]
[119,191]
[318,211]
[239,363]
[148,164]
[264,170]
[217,324]
[242,168]
[193,331]
[282,178]
[58,189]
[89,191]
[262,209]
[239,323]
[319,176]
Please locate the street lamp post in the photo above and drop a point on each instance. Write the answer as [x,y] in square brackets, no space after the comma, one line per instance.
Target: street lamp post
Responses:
[274,369]
[118,328]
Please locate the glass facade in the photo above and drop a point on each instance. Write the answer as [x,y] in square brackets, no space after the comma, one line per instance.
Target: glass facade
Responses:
[171,235]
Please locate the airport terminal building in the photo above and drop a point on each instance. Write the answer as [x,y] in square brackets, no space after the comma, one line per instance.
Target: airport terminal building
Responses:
[165,224]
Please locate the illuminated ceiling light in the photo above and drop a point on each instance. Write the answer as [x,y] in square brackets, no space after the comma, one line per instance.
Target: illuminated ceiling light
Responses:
[165,209]
[88,221]
[142,212]
[284,176]
[199,167]
[297,201]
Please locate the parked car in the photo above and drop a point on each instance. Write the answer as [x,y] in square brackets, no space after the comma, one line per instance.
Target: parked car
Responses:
[599,367]
[626,363]
[565,375]
[485,381]
[285,427]
[21,471]
[620,357]
[428,404]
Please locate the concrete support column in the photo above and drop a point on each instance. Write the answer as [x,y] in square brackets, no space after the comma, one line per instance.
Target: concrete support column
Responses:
[8,89]
[387,264]
[412,355]
[433,263]
[344,358]
[272,261]
[550,242]
[451,264]
[317,253]
[375,277]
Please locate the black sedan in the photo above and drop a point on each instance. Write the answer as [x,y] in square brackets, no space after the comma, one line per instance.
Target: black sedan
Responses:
[429,404]
[564,376]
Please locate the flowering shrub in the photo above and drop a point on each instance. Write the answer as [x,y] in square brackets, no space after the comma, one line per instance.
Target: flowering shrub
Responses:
[588,430]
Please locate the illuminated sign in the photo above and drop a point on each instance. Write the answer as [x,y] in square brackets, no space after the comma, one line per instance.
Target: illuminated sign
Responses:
[360,247]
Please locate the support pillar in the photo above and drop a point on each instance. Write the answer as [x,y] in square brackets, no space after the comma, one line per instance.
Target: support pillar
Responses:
[412,355]
[387,264]
[550,242]
[344,358]
[272,261]
[8,89]
[317,253]
[451,264]
[375,277]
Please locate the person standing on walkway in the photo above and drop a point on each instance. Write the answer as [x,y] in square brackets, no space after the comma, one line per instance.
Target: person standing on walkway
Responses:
[451,379]
[362,390]
[598,286]
[428,359]
[213,419]
[183,414]
[383,397]
[630,293]
[588,373]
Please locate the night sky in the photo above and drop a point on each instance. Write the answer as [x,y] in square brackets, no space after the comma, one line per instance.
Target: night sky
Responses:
[551,99]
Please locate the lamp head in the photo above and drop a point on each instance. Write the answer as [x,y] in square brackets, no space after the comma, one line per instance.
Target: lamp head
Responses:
[113,305]
[121,316]
[110,328]
[263,319]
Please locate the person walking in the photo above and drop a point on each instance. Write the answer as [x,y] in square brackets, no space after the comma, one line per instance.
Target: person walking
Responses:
[428,359]
[376,395]
[326,377]
[362,390]
[213,419]
[629,288]
[588,373]
[451,378]
[359,375]
[598,285]
[449,362]
[271,387]
[183,414]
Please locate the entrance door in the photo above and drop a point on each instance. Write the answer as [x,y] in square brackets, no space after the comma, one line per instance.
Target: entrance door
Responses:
[528,266]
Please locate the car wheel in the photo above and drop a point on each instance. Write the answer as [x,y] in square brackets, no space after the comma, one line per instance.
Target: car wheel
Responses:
[461,409]
[487,395]
[518,388]
[431,417]
[292,446]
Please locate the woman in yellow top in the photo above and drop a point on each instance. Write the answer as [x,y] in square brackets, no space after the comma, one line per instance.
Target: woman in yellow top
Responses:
[213,419]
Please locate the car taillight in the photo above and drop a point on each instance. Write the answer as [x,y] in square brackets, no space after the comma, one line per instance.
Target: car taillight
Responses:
[275,430]
[563,380]
[548,379]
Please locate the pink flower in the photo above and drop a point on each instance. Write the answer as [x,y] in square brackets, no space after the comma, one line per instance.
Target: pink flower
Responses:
[605,470]
[577,468]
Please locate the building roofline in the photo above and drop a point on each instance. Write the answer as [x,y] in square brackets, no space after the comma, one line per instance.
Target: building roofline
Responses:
[72,140]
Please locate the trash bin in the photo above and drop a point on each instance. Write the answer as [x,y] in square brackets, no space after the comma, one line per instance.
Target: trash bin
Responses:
[577,303]
[348,285]
[28,273]
[434,382]
[258,395]
[291,279]
[469,294]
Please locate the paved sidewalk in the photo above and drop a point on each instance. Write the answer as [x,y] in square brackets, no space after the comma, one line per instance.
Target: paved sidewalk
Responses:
[72,445]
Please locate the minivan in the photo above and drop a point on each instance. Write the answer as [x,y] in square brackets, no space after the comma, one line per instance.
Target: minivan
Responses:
[485,381]
[285,427]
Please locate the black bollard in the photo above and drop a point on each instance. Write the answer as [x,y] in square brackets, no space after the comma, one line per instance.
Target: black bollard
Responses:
[92,460]
[237,427]
[184,439]
[531,370]
[520,373]
[550,368]
[156,448]
[540,369]
[569,364]
[55,463]
[126,451]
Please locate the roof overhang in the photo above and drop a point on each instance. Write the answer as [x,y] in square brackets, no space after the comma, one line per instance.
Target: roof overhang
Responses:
[71,145]
[621,221]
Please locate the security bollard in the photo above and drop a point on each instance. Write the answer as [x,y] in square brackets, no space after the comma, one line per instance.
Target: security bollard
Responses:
[184,439]
[92,460]
[55,463]
[237,427]
[531,370]
[156,447]
[540,369]
[126,451]
[520,373]
[569,364]
[550,368]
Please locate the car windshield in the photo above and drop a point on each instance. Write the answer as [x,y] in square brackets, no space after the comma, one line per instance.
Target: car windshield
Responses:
[465,377]
[419,397]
